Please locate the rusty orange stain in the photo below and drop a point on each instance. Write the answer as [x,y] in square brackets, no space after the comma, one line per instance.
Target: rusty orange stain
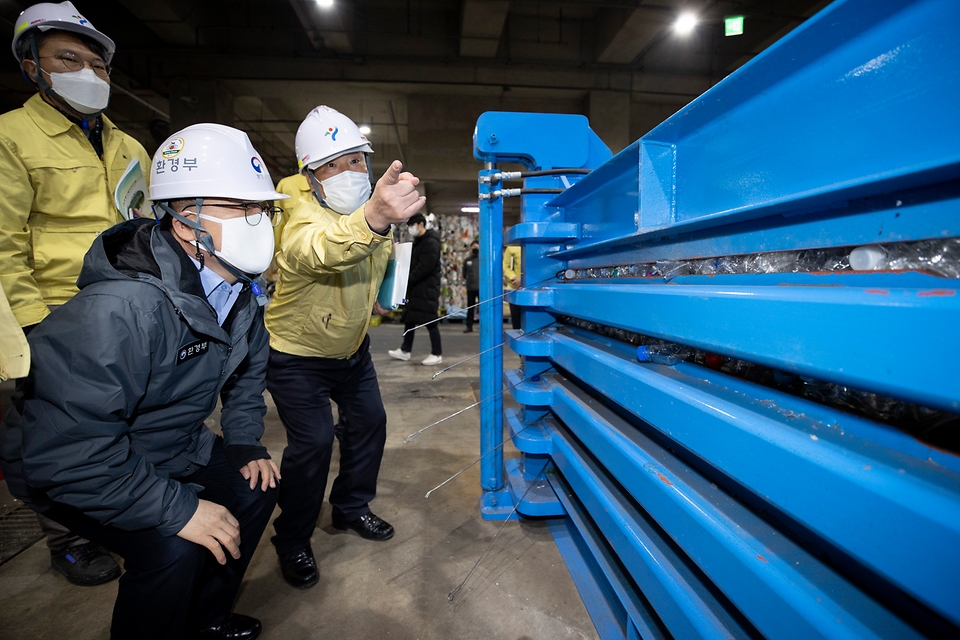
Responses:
[937,292]
[664,479]
[879,292]
[761,558]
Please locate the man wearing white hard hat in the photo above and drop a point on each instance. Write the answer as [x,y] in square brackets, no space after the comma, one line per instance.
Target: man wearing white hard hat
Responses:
[61,160]
[167,322]
[331,262]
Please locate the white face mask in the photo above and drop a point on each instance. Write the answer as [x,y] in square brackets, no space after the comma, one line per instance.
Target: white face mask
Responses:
[83,90]
[247,247]
[347,191]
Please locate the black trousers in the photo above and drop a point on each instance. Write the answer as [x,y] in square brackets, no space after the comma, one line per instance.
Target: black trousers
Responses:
[58,537]
[170,586]
[302,388]
[472,296]
[515,316]
[434,332]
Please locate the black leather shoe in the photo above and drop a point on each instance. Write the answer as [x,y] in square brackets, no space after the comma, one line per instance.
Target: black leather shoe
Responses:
[368,526]
[237,627]
[299,568]
[468,330]
[86,564]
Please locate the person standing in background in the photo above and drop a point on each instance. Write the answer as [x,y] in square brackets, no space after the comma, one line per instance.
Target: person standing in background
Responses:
[61,160]
[423,291]
[471,277]
[512,278]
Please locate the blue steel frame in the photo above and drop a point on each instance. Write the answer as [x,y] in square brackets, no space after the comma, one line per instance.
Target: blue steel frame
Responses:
[689,503]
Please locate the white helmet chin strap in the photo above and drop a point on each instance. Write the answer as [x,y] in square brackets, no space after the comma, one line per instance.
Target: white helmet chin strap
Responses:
[47,89]
[316,189]
[206,240]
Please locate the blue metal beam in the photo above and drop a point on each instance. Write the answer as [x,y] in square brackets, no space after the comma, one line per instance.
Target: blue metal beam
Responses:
[849,335]
[867,82]
[861,497]
[782,589]
[683,601]
[491,335]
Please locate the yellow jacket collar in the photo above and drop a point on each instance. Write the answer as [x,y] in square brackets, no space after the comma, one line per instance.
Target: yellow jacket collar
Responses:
[50,120]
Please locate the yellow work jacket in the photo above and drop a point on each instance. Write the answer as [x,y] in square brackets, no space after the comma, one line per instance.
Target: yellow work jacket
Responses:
[296,187]
[511,269]
[56,196]
[14,351]
[511,266]
[331,267]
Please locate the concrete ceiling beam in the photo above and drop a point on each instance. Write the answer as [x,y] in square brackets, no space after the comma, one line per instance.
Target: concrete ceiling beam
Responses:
[482,27]
[173,20]
[432,75]
[624,34]
[326,27]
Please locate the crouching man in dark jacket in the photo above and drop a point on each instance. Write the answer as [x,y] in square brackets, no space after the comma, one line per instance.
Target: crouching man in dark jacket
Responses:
[111,441]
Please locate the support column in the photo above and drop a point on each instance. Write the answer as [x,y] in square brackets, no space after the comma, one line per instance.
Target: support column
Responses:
[193,101]
[609,115]
[491,335]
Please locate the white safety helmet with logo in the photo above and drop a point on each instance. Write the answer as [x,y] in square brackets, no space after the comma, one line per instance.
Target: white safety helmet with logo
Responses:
[84,91]
[210,160]
[326,134]
[63,16]
[216,161]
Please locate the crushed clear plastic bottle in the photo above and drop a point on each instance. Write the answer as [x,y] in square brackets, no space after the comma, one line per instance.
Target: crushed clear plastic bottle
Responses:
[668,354]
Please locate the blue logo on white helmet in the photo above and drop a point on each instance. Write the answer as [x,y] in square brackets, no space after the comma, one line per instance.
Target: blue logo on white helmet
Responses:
[257,166]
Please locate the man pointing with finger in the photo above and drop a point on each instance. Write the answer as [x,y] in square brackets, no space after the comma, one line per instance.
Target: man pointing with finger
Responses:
[333,254]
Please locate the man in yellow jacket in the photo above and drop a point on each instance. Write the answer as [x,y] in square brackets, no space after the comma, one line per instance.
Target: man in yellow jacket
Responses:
[333,254]
[61,160]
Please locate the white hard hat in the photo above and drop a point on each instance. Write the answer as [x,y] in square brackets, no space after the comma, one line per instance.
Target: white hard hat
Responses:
[210,161]
[63,16]
[326,134]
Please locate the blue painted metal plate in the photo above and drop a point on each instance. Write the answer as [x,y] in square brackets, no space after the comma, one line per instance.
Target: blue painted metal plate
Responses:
[736,509]
[532,497]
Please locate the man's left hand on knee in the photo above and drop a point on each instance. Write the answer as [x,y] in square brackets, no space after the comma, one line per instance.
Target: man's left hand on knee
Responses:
[263,471]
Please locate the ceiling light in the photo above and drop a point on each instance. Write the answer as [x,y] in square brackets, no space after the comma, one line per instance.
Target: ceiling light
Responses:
[364,129]
[325,4]
[685,23]
[470,209]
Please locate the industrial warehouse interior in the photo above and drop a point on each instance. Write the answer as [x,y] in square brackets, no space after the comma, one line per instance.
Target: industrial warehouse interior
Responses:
[720,399]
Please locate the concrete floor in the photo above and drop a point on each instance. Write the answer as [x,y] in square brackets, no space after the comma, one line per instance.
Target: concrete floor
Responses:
[395,589]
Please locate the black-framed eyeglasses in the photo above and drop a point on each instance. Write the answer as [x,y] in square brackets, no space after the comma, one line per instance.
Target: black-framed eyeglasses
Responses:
[253,212]
[73,63]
